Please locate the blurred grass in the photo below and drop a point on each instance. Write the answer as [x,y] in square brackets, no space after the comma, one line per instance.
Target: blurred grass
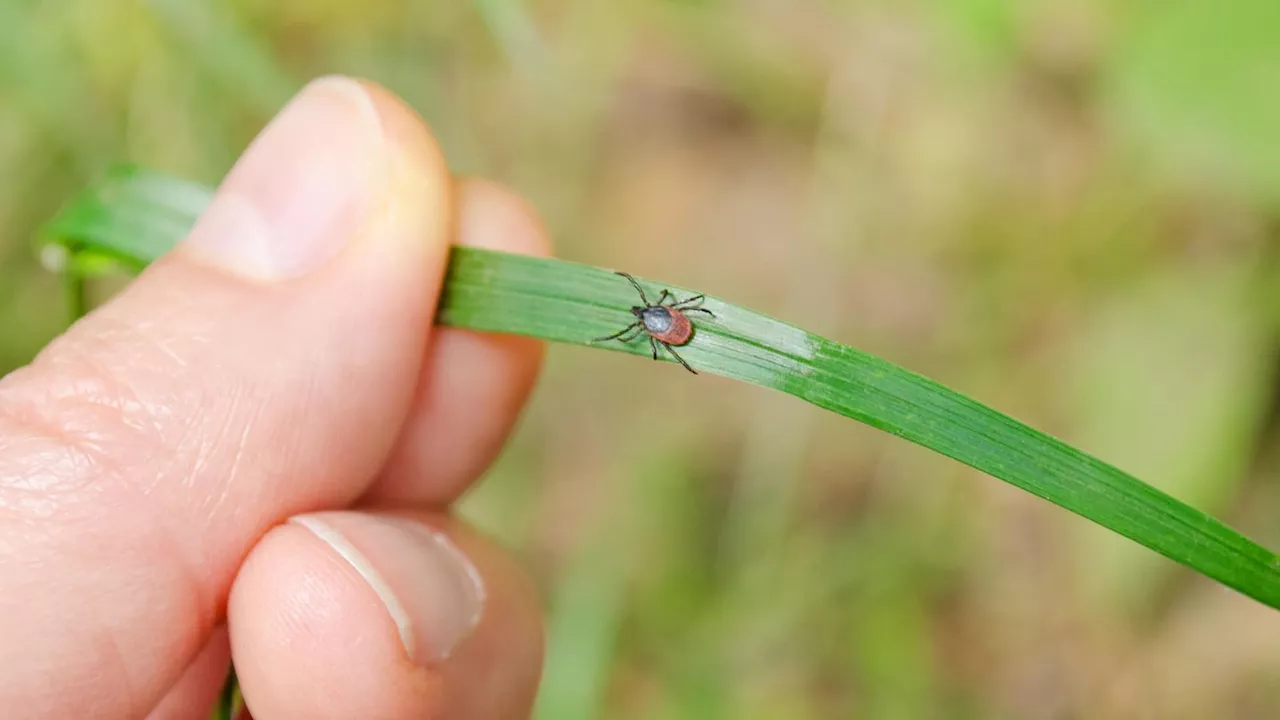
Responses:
[980,189]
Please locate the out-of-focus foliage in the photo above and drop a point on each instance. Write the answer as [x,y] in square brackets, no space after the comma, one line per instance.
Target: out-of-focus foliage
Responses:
[1066,208]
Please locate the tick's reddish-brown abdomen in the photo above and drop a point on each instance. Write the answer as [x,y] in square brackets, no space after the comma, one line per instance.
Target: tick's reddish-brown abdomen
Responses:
[679,332]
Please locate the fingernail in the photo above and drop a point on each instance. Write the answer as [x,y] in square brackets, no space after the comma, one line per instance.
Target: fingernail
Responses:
[430,589]
[299,194]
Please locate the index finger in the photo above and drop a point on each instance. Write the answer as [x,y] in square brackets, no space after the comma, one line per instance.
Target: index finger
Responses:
[473,385]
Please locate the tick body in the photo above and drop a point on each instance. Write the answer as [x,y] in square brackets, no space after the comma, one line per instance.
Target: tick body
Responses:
[665,322]
[665,325]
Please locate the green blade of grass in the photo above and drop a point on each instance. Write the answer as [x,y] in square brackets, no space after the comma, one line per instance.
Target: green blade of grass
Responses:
[135,215]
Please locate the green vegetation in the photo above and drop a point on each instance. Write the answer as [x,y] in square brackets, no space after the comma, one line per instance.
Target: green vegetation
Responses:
[1064,209]
[134,217]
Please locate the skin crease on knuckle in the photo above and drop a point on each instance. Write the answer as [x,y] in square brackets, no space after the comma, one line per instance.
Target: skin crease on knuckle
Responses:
[81,447]
[112,418]
[77,402]
[81,451]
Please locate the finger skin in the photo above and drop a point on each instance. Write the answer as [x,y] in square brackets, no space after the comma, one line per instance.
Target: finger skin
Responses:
[145,452]
[311,639]
[473,384]
[194,695]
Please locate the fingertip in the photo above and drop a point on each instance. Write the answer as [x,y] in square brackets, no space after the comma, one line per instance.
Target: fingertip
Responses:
[495,218]
[420,181]
[318,622]
[473,385]
[310,638]
[510,631]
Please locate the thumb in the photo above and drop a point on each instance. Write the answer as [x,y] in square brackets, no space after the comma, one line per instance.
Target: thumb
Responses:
[260,370]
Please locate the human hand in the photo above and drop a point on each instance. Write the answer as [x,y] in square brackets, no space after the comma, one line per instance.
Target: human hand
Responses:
[250,452]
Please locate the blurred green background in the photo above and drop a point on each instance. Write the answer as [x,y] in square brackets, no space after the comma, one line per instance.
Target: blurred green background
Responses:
[1069,209]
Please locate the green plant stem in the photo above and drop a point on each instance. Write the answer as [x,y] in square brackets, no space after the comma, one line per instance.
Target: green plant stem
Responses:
[74,285]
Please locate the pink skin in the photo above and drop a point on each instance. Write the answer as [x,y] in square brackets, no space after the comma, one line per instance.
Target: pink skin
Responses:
[186,472]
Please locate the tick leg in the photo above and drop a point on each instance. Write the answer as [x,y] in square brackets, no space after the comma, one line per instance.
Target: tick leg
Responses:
[637,286]
[634,334]
[653,344]
[701,310]
[618,335]
[695,299]
[665,295]
[677,357]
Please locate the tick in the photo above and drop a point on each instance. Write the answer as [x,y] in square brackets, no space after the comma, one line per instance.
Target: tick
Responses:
[664,322]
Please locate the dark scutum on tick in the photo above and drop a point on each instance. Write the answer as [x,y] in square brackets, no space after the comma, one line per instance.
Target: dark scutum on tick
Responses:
[664,322]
